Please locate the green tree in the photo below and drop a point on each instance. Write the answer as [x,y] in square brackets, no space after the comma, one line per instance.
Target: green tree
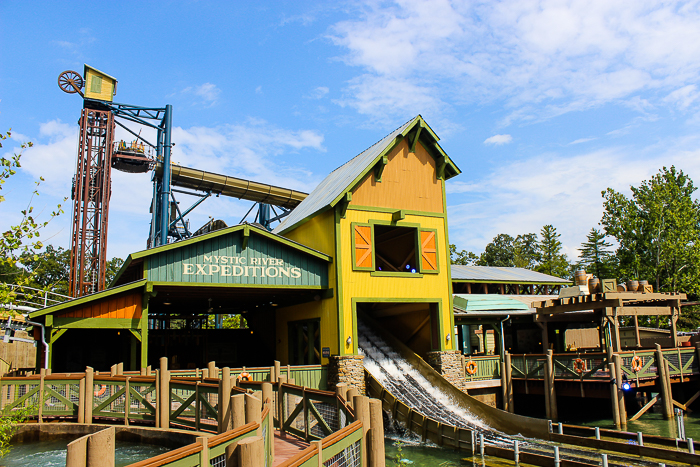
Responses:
[657,230]
[506,251]
[596,257]
[113,267]
[464,257]
[49,269]
[20,239]
[552,260]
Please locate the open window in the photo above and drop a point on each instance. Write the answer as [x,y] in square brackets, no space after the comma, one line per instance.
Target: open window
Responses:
[395,248]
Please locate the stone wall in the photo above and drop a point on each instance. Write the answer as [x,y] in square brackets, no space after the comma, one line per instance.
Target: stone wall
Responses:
[449,364]
[348,369]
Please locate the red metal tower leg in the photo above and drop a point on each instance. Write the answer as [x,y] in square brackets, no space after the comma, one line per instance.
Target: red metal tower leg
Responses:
[91,192]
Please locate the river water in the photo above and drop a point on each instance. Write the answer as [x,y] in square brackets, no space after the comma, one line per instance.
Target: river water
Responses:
[53,453]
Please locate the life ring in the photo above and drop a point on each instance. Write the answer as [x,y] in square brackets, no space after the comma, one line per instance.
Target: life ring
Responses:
[579,366]
[637,363]
[101,391]
[245,376]
[471,367]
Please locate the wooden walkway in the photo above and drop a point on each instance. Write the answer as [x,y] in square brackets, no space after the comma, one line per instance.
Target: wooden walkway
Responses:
[286,446]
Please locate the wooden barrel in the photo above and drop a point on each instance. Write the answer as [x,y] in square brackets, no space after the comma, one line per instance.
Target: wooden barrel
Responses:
[594,285]
[632,285]
[581,277]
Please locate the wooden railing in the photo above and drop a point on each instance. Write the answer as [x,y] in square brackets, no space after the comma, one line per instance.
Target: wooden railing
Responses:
[594,366]
[487,367]
[309,376]
[194,403]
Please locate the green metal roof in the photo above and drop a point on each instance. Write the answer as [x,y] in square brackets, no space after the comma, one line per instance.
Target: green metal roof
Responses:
[489,304]
[331,190]
[246,227]
[502,275]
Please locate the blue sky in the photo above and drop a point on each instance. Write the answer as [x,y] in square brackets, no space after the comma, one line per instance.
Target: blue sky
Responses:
[542,104]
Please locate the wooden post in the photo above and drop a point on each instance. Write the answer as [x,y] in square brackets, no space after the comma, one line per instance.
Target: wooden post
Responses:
[113,370]
[637,340]
[341,389]
[277,371]
[143,371]
[361,405]
[376,435]
[613,397]
[100,448]
[509,384]
[318,446]
[620,393]
[224,397]
[164,395]
[504,386]
[251,452]
[352,392]
[664,383]
[120,368]
[237,411]
[204,453]
[253,410]
[213,373]
[266,392]
[281,413]
[127,401]
[157,397]
[615,332]
[81,401]
[545,336]
[89,394]
[549,386]
[674,331]
[76,453]
[42,375]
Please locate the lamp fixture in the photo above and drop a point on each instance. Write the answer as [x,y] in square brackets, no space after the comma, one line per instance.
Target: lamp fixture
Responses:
[449,337]
[166,303]
[349,340]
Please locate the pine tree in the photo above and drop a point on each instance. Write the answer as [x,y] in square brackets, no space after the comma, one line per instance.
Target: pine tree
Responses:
[552,260]
[595,256]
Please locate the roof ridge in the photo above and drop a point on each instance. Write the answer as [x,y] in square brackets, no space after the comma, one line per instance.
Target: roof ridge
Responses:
[376,143]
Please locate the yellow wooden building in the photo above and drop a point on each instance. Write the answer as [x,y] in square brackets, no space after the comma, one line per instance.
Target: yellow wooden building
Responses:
[382,218]
[99,85]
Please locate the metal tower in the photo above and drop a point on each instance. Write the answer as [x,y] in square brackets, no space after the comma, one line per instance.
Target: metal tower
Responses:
[91,192]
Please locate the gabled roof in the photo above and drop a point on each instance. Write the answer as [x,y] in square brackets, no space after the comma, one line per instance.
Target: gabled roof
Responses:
[98,71]
[503,275]
[135,258]
[489,304]
[331,190]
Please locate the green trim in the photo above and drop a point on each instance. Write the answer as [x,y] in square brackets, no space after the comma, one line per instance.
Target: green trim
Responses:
[491,281]
[408,212]
[449,285]
[345,203]
[339,283]
[379,168]
[145,301]
[437,253]
[246,237]
[136,333]
[97,323]
[352,243]
[405,275]
[239,286]
[351,186]
[397,216]
[244,227]
[56,333]
[415,140]
[88,298]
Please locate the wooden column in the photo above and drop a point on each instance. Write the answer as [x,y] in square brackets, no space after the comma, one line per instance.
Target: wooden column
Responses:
[89,393]
[224,397]
[613,398]
[251,452]
[637,340]
[545,336]
[674,330]
[164,394]
[550,391]
[376,435]
[100,448]
[361,407]
[664,383]
[509,384]
[620,392]
[81,401]
[504,387]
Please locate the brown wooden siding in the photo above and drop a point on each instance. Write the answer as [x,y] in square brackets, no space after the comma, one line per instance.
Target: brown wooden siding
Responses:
[409,181]
[124,306]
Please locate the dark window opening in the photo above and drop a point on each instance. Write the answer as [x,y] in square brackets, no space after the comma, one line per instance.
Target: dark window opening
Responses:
[395,248]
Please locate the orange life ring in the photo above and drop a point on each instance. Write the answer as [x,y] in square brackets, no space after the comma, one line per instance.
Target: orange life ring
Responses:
[637,363]
[579,366]
[245,376]
[471,367]
[101,391]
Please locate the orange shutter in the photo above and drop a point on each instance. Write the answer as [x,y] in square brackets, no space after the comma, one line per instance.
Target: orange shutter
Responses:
[363,246]
[428,251]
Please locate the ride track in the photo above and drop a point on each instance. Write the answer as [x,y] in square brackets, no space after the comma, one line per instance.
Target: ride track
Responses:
[408,383]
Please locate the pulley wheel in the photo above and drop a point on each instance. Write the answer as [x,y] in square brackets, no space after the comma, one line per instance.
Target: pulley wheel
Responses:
[70,82]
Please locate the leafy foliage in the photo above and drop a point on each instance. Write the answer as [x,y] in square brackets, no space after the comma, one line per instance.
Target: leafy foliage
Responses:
[552,260]
[596,257]
[21,239]
[506,251]
[464,257]
[657,230]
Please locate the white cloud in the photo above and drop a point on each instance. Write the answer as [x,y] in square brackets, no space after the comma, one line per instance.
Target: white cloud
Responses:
[319,92]
[565,55]
[557,189]
[207,93]
[684,96]
[581,140]
[497,140]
